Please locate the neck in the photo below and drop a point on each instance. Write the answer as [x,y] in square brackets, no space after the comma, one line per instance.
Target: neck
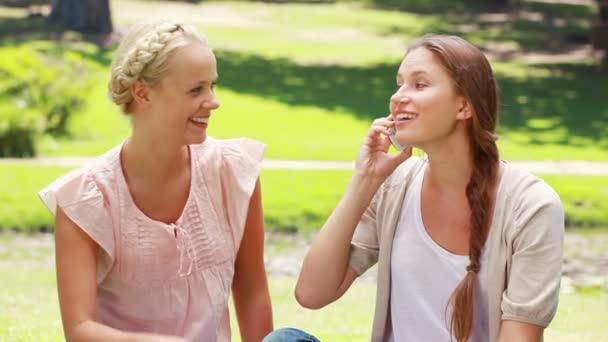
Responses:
[152,159]
[450,165]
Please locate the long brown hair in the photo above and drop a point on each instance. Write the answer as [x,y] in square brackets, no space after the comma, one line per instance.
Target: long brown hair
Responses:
[473,78]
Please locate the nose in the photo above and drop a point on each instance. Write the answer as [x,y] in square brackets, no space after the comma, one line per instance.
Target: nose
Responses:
[211,103]
[399,96]
[397,99]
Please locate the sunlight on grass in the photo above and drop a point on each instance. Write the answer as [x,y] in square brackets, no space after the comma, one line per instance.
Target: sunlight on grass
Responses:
[31,312]
[293,199]
[21,206]
[301,200]
[291,132]
[344,33]
[30,309]
[349,319]
[309,79]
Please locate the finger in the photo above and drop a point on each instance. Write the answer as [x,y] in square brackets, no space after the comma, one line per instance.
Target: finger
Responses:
[379,143]
[386,121]
[377,130]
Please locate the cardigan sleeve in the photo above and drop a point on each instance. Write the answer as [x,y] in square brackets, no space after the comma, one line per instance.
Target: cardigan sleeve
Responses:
[532,288]
[365,243]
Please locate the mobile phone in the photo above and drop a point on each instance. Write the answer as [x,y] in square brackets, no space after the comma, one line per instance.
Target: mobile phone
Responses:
[394,141]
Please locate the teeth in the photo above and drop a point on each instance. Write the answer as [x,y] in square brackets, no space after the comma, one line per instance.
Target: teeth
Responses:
[404,116]
[200,120]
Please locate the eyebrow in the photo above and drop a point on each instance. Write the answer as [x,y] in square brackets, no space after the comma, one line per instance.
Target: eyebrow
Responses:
[414,73]
[204,82]
[417,72]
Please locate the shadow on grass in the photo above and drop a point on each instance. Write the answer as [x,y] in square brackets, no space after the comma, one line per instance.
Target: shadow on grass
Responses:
[536,26]
[569,103]
[363,91]
[21,30]
[569,98]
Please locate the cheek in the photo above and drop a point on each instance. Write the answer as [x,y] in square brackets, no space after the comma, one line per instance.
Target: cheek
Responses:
[438,98]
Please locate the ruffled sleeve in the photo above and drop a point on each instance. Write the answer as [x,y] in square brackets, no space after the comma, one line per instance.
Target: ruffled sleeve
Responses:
[83,202]
[241,164]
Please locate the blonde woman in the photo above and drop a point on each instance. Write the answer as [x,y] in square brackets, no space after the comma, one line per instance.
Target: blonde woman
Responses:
[153,235]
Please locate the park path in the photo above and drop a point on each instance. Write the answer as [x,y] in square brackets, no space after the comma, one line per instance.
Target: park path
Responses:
[546,167]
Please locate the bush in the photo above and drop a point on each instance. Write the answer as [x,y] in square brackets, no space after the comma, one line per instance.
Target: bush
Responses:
[38,93]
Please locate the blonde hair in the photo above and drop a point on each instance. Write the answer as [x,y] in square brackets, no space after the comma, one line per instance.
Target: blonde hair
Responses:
[143,55]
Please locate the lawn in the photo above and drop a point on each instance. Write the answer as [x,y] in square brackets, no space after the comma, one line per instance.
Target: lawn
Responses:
[293,199]
[30,307]
[308,79]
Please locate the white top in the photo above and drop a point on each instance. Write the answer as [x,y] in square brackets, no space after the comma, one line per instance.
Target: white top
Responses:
[423,278]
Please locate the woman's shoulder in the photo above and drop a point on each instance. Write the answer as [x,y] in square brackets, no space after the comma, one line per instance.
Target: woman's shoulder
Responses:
[523,188]
[89,182]
[525,200]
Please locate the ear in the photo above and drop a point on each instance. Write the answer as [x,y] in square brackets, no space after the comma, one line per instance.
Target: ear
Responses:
[465,110]
[140,93]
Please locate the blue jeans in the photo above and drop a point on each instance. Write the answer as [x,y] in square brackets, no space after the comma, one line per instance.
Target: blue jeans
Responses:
[289,335]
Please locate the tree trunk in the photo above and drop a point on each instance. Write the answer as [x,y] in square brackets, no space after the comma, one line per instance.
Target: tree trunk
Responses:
[599,31]
[86,16]
[603,10]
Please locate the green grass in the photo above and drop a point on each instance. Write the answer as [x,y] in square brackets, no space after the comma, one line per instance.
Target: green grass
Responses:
[21,207]
[304,112]
[309,79]
[301,200]
[585,198]
[31,311]
[293,199]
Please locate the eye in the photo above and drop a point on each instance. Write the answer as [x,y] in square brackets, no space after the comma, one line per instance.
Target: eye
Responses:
[397,86]
[196,90]
[420,85]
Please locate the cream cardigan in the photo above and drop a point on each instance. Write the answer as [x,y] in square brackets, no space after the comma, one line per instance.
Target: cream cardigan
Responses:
[525,245]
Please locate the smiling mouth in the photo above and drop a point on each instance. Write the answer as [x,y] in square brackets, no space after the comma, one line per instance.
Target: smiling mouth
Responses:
[405,116]
[200,120]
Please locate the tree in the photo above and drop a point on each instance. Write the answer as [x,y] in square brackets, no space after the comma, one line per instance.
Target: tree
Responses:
[86,16]
[599,31]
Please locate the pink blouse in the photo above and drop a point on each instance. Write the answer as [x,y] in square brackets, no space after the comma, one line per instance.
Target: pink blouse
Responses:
[165,278]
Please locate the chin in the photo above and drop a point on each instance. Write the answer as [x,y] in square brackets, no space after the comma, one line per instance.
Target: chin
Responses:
[196,140]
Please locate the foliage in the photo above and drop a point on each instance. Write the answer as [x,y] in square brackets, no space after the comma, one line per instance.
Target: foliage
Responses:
[38,94]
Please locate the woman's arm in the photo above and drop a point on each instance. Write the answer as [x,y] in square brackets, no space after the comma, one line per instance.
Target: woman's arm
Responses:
[325,275]
[515,331]
[76,262]
[530,299]
[250,286]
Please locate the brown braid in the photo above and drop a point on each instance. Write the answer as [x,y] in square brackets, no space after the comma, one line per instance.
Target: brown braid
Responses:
[474,79]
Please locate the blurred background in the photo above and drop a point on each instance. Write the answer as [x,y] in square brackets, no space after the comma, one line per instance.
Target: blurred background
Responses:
[306,77]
